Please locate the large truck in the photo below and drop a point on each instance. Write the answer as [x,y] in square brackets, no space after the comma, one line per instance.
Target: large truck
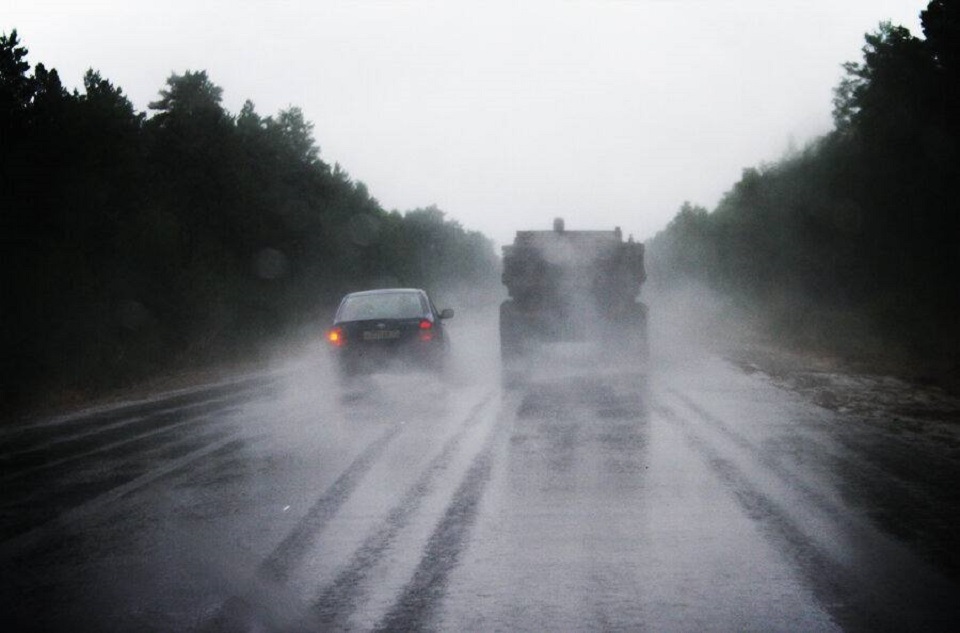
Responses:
[572,286]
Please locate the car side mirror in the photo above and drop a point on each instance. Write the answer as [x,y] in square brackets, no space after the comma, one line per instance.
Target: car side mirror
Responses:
[446,313]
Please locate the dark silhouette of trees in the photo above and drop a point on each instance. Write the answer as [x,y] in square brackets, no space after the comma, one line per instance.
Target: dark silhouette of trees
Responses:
[862,226]
[135,244]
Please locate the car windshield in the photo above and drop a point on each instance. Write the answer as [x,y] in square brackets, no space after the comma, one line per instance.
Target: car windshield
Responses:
[396,305]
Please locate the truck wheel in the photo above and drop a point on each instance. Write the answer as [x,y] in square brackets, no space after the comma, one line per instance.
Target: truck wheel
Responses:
[512,344]
[511,331]
[640,329]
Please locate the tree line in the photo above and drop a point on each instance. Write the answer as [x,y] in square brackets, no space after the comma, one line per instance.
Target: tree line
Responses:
[860,230]
[137,242]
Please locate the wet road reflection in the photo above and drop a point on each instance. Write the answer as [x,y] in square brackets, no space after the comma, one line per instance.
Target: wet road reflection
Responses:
[686,496]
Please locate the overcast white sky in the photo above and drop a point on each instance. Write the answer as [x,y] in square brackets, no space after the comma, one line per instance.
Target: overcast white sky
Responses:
[504,115]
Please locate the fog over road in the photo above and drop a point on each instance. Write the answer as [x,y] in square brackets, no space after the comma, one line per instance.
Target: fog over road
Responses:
[695,497]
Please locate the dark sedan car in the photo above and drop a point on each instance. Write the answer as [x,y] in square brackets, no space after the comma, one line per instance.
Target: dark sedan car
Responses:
[377,328]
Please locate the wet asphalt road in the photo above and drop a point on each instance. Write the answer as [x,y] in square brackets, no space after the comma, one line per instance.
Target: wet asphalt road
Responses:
[689,496]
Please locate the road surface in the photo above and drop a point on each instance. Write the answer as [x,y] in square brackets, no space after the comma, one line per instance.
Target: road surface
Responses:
[694,495]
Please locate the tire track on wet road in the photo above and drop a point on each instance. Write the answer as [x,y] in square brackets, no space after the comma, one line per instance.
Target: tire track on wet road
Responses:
[339,600]
[862,578]
[281,561]
[33,431]
[238,611]
[423,595]
[167,424]
[44,445]
[274,571]
[37,535]
[39,494]
[867,470]
[916,504]
[66,507]
[115,457]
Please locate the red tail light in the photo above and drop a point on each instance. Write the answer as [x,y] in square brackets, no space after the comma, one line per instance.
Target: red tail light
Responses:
[335,337]
[426,330]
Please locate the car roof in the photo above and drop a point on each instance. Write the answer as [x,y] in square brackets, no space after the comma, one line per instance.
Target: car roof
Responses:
[382,291]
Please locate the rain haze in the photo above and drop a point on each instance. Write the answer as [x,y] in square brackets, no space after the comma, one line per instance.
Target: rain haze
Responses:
[531,316]
[504,115]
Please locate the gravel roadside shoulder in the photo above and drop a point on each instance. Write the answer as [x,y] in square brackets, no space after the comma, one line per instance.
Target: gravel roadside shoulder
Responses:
[846,388]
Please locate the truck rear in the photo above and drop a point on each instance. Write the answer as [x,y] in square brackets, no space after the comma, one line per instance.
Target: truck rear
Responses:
[572,287]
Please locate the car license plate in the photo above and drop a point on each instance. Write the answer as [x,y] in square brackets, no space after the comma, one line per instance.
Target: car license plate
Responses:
[380,335]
